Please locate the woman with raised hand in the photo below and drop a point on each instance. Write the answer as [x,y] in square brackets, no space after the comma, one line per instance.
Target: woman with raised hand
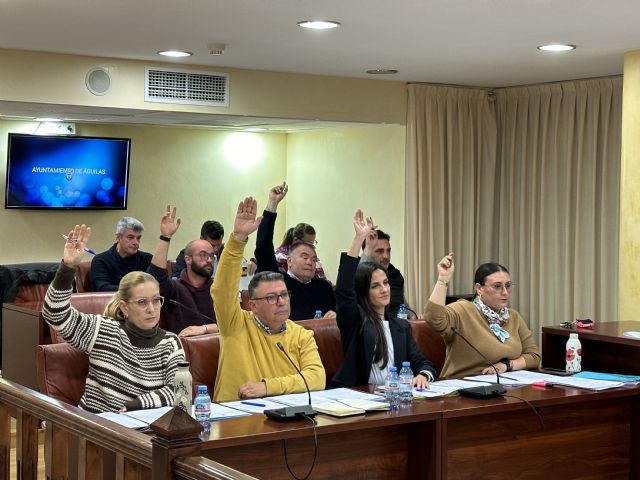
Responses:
[132,361]
[372,340]
[499,332]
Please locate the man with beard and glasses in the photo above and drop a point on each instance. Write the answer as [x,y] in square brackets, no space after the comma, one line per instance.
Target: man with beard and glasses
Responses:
[192,314]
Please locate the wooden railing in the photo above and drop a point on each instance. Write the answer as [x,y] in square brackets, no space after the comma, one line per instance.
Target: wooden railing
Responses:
[81,445]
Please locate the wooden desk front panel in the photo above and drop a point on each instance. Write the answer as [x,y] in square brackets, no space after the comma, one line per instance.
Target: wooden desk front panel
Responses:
[583,440]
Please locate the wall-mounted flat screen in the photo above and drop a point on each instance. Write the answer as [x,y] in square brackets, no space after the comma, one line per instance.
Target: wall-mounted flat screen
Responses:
[67,172]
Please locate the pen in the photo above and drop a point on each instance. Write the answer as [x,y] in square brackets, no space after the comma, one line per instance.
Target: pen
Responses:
[88,250]
[253,404]
[508,378]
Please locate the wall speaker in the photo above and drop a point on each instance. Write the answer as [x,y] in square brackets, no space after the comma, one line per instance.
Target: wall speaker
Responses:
[98,81]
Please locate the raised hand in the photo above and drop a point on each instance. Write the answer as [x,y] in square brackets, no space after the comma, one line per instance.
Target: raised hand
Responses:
[361,225]
[169,225]
[246,221]
[276,194]
[74,247]
[446,268]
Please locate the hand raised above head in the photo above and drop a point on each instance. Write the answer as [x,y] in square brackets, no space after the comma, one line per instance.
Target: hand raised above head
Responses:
[246,221]
[74,246]
[278,192]
[361,225]
[446,267]
[169,224]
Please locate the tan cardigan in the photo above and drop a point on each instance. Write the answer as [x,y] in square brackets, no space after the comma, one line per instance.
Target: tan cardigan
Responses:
[461,359]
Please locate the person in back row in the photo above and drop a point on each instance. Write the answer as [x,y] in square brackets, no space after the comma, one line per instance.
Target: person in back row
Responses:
[189,309]
[107,268]
[377,248]
[251,364]
[211,231]
[308,294]
[499,332]
[372,339]
[302,232]
[132,362]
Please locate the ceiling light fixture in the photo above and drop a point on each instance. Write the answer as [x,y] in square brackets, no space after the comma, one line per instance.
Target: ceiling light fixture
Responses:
[319,24]
[174,53]
[556,47]
[382,71]
[48,119]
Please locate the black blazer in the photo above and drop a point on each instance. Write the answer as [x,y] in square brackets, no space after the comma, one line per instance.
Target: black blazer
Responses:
[358,342]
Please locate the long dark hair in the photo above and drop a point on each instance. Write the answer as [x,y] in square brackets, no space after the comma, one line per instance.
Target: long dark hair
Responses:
[362,285]
[296,234]
[486,269]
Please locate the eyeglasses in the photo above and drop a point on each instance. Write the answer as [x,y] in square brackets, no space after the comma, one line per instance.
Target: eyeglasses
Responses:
[272,299]
[497,287]
[205,256]
[143,303]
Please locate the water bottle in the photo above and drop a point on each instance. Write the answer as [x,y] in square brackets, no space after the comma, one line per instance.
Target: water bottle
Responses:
[318,314]
[573,354]
[406,384]
[402,312]
[392,388]
[202,404]
[182,387]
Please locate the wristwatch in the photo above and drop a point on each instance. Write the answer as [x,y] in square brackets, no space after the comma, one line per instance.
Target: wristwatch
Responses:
[507,363]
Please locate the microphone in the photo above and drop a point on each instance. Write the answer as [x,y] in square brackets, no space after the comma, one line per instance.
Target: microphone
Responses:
[192,310]
[411,311]
[295,412]
[483,391]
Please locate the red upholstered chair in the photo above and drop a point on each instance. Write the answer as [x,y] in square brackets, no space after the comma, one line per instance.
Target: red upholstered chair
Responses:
[202,352]
[89,302]
[430,343]
[327,337]
[62,372]
[83,277]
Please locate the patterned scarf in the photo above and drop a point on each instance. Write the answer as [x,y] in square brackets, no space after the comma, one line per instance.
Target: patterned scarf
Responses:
[495,319]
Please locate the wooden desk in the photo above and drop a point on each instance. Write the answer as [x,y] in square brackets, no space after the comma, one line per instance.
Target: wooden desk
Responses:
[586,435]
[604,349]
[22,330]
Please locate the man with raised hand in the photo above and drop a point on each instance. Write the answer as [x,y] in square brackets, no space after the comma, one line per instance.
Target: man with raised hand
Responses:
[188,309]
[308,293]
[251,364]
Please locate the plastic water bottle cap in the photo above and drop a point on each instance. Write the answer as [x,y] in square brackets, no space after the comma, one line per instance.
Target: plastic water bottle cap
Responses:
[406,364]
[202,389]
[393,369]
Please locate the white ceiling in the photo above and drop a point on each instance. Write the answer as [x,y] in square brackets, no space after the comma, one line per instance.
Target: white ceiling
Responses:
[489,43]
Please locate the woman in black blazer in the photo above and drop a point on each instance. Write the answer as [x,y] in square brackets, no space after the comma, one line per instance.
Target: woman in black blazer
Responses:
[371,340]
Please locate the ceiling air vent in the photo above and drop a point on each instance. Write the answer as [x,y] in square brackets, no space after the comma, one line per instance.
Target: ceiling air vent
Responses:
[186,87]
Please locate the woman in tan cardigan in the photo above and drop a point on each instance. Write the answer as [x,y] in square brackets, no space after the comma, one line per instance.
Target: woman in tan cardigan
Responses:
[499,332]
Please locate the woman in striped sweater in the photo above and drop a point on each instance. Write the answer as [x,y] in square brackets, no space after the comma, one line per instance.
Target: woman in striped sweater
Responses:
[132,361]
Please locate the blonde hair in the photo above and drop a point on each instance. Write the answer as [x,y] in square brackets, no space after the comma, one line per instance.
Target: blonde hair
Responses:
[127,283]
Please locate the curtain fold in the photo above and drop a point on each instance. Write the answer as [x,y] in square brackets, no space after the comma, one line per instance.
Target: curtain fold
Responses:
[528,178]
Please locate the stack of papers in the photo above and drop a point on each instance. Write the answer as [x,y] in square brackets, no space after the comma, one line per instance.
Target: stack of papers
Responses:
[526,377]
[346,407]
[635,335]
[614,377]
[138,419]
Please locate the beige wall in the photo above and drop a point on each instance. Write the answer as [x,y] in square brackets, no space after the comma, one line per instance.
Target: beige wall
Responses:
[59,79]
[629,260]
[330,172]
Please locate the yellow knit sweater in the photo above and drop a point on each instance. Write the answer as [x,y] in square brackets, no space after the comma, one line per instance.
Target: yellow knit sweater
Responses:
[248,353]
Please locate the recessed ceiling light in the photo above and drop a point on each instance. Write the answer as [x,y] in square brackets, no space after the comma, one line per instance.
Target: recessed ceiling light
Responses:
[556,47]
[255,129]
[382,71]
[174,53]
[319,24]
[48,119]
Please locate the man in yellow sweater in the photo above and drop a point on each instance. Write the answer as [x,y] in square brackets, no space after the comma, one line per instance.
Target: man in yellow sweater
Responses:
[250,364]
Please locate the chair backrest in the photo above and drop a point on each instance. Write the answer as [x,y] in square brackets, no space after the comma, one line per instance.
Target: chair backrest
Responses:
[88,302]
[83,277]
[62,372]
[202,352]
[430,343]
[327,337]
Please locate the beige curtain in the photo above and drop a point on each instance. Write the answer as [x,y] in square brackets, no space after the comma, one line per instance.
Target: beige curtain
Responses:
[532,182]
[451,158]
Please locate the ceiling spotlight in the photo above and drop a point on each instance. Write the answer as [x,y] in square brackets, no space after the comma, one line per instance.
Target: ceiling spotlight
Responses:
[174,53]
[382,71]
[216,48]
[556,47]
[319,24]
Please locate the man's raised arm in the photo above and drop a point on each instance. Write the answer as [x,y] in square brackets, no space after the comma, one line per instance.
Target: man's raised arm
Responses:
[265,255]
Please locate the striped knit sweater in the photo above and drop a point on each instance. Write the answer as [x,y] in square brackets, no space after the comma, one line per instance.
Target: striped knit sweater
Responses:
[123,370]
